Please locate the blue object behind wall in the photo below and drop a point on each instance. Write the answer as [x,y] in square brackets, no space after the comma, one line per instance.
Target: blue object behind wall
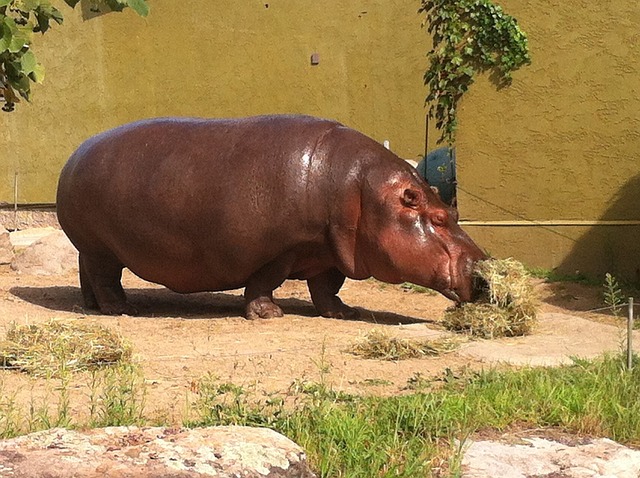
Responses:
[439,169]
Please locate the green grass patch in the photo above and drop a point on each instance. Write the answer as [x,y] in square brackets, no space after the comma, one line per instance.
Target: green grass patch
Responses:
[416,435]
[349,436]
[116,397]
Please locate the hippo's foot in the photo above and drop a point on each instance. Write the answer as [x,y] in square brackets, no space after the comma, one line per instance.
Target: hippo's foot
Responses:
[323,289]
[341,311]
[118,309]
[100,284]
[262,308]
[108,302]
[90,301]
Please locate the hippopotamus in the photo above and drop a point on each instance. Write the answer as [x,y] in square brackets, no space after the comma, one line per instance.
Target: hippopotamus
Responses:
[218,204]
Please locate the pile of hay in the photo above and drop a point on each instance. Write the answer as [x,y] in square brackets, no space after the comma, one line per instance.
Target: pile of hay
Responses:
[55,347]
[378,345]
[509,308]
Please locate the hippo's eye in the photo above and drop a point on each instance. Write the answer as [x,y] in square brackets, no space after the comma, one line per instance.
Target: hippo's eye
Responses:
[439,218]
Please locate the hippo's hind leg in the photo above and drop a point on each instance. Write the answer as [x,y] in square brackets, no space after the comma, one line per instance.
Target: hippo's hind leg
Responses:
[88,295]
[100,278]
[324,289]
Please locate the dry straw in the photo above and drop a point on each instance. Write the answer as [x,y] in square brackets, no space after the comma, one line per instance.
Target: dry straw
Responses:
[55,347]
[509,308]
[377,344]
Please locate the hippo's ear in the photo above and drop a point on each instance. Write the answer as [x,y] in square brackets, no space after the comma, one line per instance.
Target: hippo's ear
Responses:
[411,198]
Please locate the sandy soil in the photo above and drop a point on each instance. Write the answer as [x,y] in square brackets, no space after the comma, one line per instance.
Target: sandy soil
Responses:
[180,338]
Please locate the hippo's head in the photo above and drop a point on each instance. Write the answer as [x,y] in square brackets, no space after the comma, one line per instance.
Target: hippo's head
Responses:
[405,233]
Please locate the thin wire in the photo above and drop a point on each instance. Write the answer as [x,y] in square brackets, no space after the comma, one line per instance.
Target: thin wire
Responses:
[609,307]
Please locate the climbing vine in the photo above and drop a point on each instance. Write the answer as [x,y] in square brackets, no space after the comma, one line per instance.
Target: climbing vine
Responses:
[469,37]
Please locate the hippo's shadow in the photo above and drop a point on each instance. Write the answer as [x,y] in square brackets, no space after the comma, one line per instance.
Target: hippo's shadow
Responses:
[202,305]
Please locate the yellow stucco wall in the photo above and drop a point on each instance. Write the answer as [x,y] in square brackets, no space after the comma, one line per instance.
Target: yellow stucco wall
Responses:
[218,59]
[562,145]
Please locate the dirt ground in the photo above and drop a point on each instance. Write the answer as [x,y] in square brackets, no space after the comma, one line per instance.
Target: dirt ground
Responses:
[180,338]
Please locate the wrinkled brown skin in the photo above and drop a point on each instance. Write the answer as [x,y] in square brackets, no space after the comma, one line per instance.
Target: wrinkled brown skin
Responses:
[210,205]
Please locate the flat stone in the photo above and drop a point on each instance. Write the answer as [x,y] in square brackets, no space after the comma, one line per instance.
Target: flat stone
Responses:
[540,458]
[154,452]
[26,237]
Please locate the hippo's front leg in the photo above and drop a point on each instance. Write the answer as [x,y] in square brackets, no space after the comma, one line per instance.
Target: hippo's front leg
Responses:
[324,289]
[258,293]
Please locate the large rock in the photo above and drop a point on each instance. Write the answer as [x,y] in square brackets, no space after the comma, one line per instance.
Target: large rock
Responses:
[132,452]
[538,457]
[21,238]
[51,255]
[6,248]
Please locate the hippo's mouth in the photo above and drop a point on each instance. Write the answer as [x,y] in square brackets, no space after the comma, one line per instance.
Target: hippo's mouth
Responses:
[452,295]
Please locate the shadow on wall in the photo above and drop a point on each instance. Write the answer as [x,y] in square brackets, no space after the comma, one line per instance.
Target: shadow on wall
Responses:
[614,245]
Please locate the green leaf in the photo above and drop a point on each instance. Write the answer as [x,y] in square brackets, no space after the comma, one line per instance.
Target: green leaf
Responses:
[43,23]
[4,3]
[9,23]
[28,5]
[18,41]
[5,40]
[57,15]
[44,14]
[115,5]
[21,84]
[37,75]
[28,62]
[467,70]
[140,6]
